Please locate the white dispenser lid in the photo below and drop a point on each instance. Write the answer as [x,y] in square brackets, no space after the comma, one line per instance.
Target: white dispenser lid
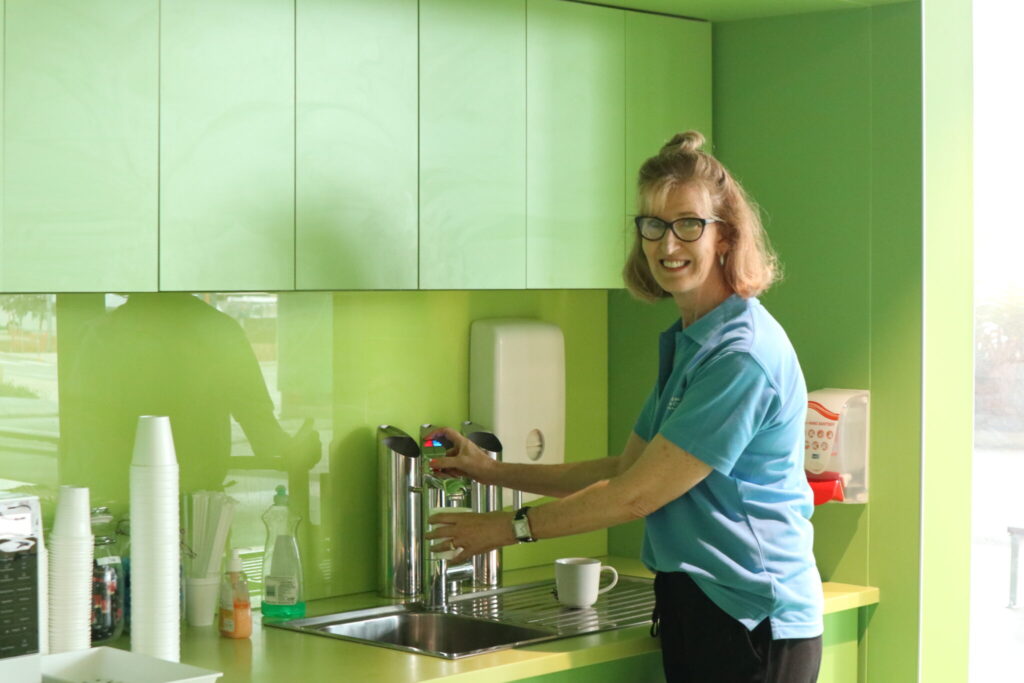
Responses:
[235,563]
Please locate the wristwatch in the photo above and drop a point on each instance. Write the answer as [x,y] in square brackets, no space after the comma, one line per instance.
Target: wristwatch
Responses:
[521,526]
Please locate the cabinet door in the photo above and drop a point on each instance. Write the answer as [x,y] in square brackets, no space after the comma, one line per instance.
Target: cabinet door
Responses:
[80,135]
[227,145]
[472,144]
[668,89]
[575,147]
[356,144]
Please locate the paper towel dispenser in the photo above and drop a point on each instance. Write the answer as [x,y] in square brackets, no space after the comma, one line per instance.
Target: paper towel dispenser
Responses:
[517,387]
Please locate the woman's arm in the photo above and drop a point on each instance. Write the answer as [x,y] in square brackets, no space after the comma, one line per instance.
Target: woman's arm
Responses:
[568,478]
[548,480]
[661,473]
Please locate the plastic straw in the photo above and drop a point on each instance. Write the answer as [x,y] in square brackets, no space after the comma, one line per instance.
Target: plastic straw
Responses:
[211,521]
[220,536]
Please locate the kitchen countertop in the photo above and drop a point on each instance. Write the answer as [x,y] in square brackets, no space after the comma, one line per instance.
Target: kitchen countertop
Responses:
[278,655]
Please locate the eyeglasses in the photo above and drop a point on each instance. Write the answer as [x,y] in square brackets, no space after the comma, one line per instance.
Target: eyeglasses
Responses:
[686,229]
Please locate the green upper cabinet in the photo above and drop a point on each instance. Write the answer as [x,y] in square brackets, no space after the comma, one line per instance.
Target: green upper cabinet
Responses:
[472,144]
[227,145]
[668,89]
[356,144]
[80,154]
[575,151]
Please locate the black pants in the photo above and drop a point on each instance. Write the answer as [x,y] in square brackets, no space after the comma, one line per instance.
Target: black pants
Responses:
[703,644]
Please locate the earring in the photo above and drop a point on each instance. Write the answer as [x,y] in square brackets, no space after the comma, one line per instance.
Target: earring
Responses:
[721,259]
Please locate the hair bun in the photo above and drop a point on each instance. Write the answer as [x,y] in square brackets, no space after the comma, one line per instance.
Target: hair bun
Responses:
[684,143]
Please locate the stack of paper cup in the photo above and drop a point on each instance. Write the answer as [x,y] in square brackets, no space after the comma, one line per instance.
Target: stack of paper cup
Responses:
[70,572]
[155,554]
[43,560]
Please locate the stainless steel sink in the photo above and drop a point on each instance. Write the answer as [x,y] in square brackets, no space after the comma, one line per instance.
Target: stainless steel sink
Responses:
[486,621]
[414,630]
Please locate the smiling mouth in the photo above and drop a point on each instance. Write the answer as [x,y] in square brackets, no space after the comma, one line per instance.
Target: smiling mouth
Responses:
[674,266]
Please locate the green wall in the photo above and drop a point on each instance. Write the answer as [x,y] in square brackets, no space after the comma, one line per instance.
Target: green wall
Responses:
[268,389]
[818,115]
[402,358]
[948,341]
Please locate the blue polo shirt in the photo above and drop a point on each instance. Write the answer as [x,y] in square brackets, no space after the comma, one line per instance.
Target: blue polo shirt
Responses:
[731,393]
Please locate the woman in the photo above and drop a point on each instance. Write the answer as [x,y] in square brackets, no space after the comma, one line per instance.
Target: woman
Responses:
[715,461]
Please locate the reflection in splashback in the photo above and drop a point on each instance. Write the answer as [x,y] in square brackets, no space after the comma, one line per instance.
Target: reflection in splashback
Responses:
[29,422]
[268,389]
[193,360]
[245,379]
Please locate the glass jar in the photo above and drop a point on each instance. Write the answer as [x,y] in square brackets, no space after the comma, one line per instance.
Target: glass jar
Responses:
[108,589]
[123,532]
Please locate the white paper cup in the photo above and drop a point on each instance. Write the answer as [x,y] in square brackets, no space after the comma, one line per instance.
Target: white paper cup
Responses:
[445,554]
[577,579]
[201,600]
[69,590]
[154,444]
[72,516]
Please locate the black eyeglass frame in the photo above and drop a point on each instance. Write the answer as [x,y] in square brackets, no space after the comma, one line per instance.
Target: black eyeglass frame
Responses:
[672,226]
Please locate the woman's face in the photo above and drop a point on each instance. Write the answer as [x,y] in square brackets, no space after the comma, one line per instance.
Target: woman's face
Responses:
[689,271]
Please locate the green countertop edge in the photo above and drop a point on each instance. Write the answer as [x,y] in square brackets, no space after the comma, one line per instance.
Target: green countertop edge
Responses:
[272,653]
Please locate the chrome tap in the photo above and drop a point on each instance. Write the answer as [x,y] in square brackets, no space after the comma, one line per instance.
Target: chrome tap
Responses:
[409,492]
[401,513]
[441,578]
[484,499]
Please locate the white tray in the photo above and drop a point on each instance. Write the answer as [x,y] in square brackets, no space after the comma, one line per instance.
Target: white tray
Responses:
[110,665]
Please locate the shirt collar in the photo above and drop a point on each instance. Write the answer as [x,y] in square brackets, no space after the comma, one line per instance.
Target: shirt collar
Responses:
[701,330]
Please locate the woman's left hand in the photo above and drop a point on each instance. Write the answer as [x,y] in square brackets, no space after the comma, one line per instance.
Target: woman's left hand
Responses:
[473,533]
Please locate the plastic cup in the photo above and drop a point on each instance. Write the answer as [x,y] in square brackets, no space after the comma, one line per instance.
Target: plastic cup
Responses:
[201,600]
[72,517]
[445,554]
[154,444]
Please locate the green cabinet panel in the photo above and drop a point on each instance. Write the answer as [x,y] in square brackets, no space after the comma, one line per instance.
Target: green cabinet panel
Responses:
[356,144]
[227,145]
[645,668]
[668,89]
[472,144]
[575,152]
[80,154]
[838,659]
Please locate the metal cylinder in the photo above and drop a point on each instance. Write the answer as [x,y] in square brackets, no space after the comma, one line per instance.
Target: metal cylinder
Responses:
[401,485]
[487,566]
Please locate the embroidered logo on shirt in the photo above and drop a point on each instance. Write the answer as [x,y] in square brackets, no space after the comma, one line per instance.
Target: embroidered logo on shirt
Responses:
[672,403]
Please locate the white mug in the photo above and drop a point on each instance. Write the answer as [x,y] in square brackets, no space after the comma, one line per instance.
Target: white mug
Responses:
[577,579]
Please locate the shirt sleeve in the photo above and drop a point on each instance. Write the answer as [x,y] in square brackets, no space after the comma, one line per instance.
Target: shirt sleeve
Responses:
[644,426]
[724,406]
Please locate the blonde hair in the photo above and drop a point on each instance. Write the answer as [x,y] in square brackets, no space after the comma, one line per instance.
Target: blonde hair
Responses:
[750,263]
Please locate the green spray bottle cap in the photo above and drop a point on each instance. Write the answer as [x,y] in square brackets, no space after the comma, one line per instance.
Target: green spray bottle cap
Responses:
[281,496]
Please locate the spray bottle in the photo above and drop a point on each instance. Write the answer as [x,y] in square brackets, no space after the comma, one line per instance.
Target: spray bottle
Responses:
[282,569]
[235,608]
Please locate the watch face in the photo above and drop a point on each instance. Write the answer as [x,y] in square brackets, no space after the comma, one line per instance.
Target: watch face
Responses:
[519,525]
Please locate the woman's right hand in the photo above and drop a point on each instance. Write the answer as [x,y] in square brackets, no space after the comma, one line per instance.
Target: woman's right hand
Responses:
[464,458]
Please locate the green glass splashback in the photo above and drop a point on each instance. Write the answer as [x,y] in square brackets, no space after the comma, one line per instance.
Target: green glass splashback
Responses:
[268,389]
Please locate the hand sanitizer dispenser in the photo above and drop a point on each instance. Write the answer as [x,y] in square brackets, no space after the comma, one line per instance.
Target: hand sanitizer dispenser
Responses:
[836,445]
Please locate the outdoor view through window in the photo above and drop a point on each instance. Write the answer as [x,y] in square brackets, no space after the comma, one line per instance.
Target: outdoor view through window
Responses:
[997,616]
